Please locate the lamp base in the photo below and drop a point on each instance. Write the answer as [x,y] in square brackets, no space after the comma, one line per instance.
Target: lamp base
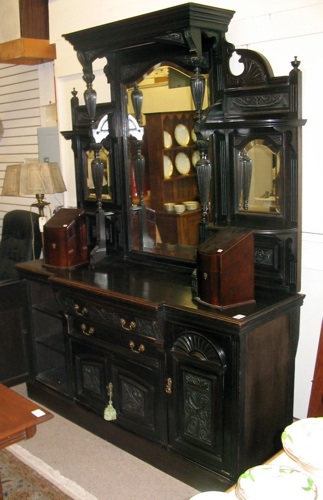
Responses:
[40,204]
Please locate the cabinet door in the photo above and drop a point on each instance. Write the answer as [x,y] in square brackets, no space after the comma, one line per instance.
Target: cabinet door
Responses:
[140,398]
[90,376]
[197,423]
[136,394]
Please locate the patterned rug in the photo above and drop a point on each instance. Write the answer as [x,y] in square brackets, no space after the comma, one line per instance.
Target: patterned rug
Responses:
[20,482]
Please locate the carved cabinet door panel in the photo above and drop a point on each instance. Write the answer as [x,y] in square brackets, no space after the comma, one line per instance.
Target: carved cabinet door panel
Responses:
[136,388]
[197,423]
[139,398]
[90,376]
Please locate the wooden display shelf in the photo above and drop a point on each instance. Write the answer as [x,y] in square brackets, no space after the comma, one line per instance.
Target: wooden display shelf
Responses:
[29,51]
[176,187]
[179,228]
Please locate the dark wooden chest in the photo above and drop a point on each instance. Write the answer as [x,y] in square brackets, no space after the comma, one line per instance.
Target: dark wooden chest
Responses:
[65,239]
[225,268]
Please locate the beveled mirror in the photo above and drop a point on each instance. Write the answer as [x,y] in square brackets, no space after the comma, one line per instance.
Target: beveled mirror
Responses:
[258,166]
[169,187]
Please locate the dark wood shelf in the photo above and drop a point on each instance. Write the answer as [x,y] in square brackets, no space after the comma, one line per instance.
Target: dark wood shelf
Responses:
[49,308]
[55,378]
[54,341]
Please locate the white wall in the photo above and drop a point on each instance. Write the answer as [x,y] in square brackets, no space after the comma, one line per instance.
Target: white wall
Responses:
[10,25]
[25,96]
[280,30]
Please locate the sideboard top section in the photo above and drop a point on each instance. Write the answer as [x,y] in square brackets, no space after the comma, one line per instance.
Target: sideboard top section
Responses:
[157,290]
[140,30]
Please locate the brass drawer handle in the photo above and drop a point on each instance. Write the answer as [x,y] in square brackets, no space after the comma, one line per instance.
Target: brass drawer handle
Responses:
[89,332]
[140,349]
[79,311]
[132,325]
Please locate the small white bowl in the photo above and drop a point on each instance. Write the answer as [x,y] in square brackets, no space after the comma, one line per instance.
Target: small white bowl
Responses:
[191,205]
[169,207]
[179,209]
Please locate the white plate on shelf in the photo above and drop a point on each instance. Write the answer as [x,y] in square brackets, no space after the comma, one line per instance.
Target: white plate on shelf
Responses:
[268,482]
[182,163]
[303,440]
[168,167]
[195,158]
[182,134]
[167,140]
[193,135]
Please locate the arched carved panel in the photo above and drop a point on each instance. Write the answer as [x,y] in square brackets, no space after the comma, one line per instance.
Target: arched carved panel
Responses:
[198,347]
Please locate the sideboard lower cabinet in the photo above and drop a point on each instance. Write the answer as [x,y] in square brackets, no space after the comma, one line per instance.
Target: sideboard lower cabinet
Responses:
[116,356]
[200,393]
[231,389]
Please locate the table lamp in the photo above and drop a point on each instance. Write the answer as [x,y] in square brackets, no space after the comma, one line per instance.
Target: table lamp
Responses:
[26,179]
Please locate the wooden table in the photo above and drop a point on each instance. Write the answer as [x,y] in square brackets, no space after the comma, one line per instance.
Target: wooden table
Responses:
[18,418]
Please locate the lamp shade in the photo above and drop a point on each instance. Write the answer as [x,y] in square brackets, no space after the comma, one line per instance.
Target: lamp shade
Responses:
[25,179]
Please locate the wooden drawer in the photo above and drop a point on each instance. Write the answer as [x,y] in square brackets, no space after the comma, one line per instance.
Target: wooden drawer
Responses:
[120,319]
[112,337]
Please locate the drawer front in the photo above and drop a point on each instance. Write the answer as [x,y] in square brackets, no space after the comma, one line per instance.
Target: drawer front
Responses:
[119,318]
[112,337]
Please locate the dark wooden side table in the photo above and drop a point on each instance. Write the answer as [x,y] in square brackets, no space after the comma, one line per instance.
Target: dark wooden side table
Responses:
[18,418]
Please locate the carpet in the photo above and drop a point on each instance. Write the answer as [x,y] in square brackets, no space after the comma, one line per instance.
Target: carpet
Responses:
[19,481]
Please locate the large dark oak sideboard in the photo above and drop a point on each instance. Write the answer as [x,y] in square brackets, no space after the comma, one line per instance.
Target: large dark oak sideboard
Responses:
[200,393]
[121,346]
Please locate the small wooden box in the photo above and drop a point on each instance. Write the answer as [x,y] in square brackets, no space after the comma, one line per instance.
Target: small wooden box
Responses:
[65,239]
[225,268]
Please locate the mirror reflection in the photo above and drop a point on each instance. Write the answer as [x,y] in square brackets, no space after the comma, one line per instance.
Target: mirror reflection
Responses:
[170,205]
[258,167]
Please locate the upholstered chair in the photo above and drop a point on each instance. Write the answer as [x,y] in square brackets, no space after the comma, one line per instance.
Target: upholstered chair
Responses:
[20,241]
